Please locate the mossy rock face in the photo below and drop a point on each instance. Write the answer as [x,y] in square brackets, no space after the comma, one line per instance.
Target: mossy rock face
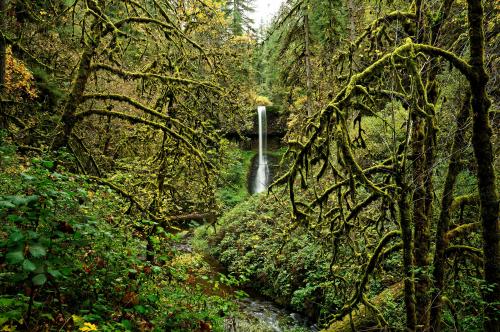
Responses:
[276,124]
[274,110]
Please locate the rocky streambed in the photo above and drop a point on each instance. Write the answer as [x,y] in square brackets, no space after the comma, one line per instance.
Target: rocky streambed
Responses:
[255,313]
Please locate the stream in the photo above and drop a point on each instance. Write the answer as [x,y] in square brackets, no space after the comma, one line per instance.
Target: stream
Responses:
[270,316]
[256,313]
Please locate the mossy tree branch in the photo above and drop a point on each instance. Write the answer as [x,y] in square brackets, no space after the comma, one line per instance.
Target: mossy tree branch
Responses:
[361,284]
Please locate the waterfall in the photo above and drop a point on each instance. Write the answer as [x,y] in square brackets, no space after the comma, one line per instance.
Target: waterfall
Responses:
[262,176]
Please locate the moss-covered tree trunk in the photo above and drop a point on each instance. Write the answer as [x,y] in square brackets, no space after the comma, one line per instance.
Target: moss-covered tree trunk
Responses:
[483,151]
[307,56]
[406,236]
[421,220]
[75,97]
[423,163]
[3,58]
[79,83]
[454,168]
[3,47]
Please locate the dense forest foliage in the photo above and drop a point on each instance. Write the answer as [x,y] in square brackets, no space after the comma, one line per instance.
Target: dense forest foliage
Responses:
[125,134]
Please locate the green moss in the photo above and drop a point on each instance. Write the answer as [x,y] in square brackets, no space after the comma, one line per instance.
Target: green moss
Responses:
[234,177]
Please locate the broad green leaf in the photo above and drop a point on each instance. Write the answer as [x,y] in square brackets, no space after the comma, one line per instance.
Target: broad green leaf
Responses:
[126,324]
[28,266]
[152,298]
[39,279]
[5,302]
[140,309]
[15,257]
[55,273]
[6,205]
[27,177]
[33,235]
[22,200]
[31,199]
[77,320]
[14,217]
[47,164]
[47,316]
[37,250]
[16,236]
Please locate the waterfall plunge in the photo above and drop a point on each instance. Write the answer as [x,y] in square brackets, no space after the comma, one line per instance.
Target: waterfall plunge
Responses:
[262,176]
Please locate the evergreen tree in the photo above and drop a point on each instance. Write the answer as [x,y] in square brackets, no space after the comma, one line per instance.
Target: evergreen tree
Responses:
[237,11]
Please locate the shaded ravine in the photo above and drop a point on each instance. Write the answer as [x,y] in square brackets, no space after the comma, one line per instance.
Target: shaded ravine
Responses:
[255,311]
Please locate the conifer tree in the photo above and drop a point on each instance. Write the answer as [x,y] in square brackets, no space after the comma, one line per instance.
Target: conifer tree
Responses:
[238,12]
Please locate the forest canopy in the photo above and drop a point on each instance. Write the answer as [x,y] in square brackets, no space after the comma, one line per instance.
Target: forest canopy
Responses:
[124,124]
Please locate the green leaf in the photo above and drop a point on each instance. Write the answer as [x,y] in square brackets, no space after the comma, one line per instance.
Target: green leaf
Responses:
[39,269]
[47,316]
[16,236]
[127,325]
[37,250]
[28,266]
[31,199]
[140,309]
[22,200]
[152,298]
[39,279]
[55,273]
[15,257]
[6,205]
[33,235]
[14,217]
[5,302]
[27,177]
[47,164]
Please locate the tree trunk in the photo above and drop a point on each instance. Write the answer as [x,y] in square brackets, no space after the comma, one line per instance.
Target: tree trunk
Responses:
[3,56]
[3,47]
[423,145]
[454,168]
[483,151]
[308,64]
[421,220]
[352,24]
[406,236]
[78,86]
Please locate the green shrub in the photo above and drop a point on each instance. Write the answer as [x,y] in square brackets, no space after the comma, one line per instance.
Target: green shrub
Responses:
[70,256]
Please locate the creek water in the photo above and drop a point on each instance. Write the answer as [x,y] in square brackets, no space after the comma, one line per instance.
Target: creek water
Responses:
[256,313]
[270,317]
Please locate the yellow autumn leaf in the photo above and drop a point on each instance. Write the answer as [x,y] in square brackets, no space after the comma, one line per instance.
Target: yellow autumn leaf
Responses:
[88,327]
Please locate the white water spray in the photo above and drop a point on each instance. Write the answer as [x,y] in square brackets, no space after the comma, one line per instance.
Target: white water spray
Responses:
[262,176]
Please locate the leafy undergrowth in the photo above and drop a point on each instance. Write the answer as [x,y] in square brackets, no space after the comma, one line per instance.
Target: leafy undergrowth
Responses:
[72,259]
[234,177]
[290,266]
[252,240]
